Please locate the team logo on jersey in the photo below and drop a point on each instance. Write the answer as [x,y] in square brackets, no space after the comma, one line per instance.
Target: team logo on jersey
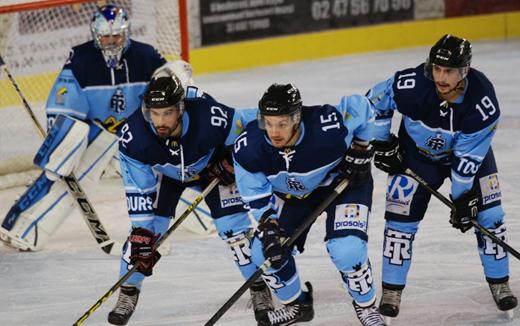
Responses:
[229,196]
[490,246]
[360,280]
[490,189]
[398,246]
[400,194]
[436,142]
[351,217]
[60,95]
[118,102]
[294,185]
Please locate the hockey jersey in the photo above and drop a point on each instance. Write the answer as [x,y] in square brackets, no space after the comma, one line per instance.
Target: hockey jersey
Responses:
[88,90]
[457,134]
[326,133]
[206,126]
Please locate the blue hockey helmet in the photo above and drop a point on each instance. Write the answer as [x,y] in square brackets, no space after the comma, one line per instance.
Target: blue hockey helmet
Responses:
[110,21]
[450,51]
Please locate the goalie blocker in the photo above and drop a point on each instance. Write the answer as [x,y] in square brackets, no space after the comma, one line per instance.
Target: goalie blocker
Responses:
[71,146]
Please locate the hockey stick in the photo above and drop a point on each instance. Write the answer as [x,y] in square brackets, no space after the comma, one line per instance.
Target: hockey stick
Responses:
[448,203]
[95,226]
[125,277]
[287,243]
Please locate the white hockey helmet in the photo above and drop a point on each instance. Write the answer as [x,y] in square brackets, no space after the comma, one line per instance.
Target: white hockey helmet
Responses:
[110,20]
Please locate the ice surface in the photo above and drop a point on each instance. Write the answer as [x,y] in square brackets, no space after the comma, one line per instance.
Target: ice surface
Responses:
[446,285]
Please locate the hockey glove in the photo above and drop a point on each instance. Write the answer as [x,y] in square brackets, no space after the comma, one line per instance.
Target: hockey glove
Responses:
[356,166]
[388,156]
[221,167]
[465,211]
[271,243]
[143,250]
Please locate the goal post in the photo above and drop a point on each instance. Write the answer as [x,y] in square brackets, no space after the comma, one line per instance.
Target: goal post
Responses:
[35,39]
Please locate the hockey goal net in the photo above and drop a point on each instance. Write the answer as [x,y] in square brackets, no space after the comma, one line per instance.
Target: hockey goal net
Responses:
[35,38]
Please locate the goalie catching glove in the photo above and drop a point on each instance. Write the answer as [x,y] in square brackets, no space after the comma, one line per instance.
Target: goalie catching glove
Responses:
[466,210]
[221,167]
[143,250]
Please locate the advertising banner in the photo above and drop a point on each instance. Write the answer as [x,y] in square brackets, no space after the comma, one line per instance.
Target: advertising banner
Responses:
[235,20]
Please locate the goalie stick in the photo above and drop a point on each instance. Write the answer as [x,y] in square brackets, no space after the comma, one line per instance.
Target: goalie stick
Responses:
[94,224]
[125,277]
[448,203]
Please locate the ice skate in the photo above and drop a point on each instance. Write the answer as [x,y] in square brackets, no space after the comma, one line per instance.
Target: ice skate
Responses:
[294,312]
[368,316]
[261,299]
[125,305]
[389,305]
[504,298]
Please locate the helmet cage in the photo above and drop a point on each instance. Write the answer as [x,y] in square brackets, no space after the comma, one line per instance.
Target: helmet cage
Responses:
[110,20]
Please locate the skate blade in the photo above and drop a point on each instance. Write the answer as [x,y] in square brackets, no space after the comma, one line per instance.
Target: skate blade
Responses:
[387,320]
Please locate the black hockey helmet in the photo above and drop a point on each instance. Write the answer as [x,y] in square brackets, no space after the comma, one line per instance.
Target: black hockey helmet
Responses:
[280,99]
[163,91]
[450,51]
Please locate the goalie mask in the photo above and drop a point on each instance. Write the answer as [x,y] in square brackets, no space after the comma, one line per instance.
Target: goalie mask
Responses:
[110,29]
[280,100]
[450,51]
[163,91]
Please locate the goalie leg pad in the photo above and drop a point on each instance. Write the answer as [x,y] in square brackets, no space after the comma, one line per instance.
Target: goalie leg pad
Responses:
[63,147]
[30,226]
[45,205]
[102,146]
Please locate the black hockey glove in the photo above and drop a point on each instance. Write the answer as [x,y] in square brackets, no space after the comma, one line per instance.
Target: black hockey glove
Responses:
[143,249]
[465,211]
[388,156]
[271,243]
[356,166]
[221,167]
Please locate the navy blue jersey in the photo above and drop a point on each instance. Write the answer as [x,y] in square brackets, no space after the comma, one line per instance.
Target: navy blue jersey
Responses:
[206,126]
[326,133]
[88,90]
[457,134]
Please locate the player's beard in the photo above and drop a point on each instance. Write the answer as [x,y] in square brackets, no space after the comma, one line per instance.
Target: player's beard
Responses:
[164,131]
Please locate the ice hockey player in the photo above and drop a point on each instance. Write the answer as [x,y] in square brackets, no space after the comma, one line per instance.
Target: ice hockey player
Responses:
[100,85]
[286,163]
[449,117]
[180,139]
